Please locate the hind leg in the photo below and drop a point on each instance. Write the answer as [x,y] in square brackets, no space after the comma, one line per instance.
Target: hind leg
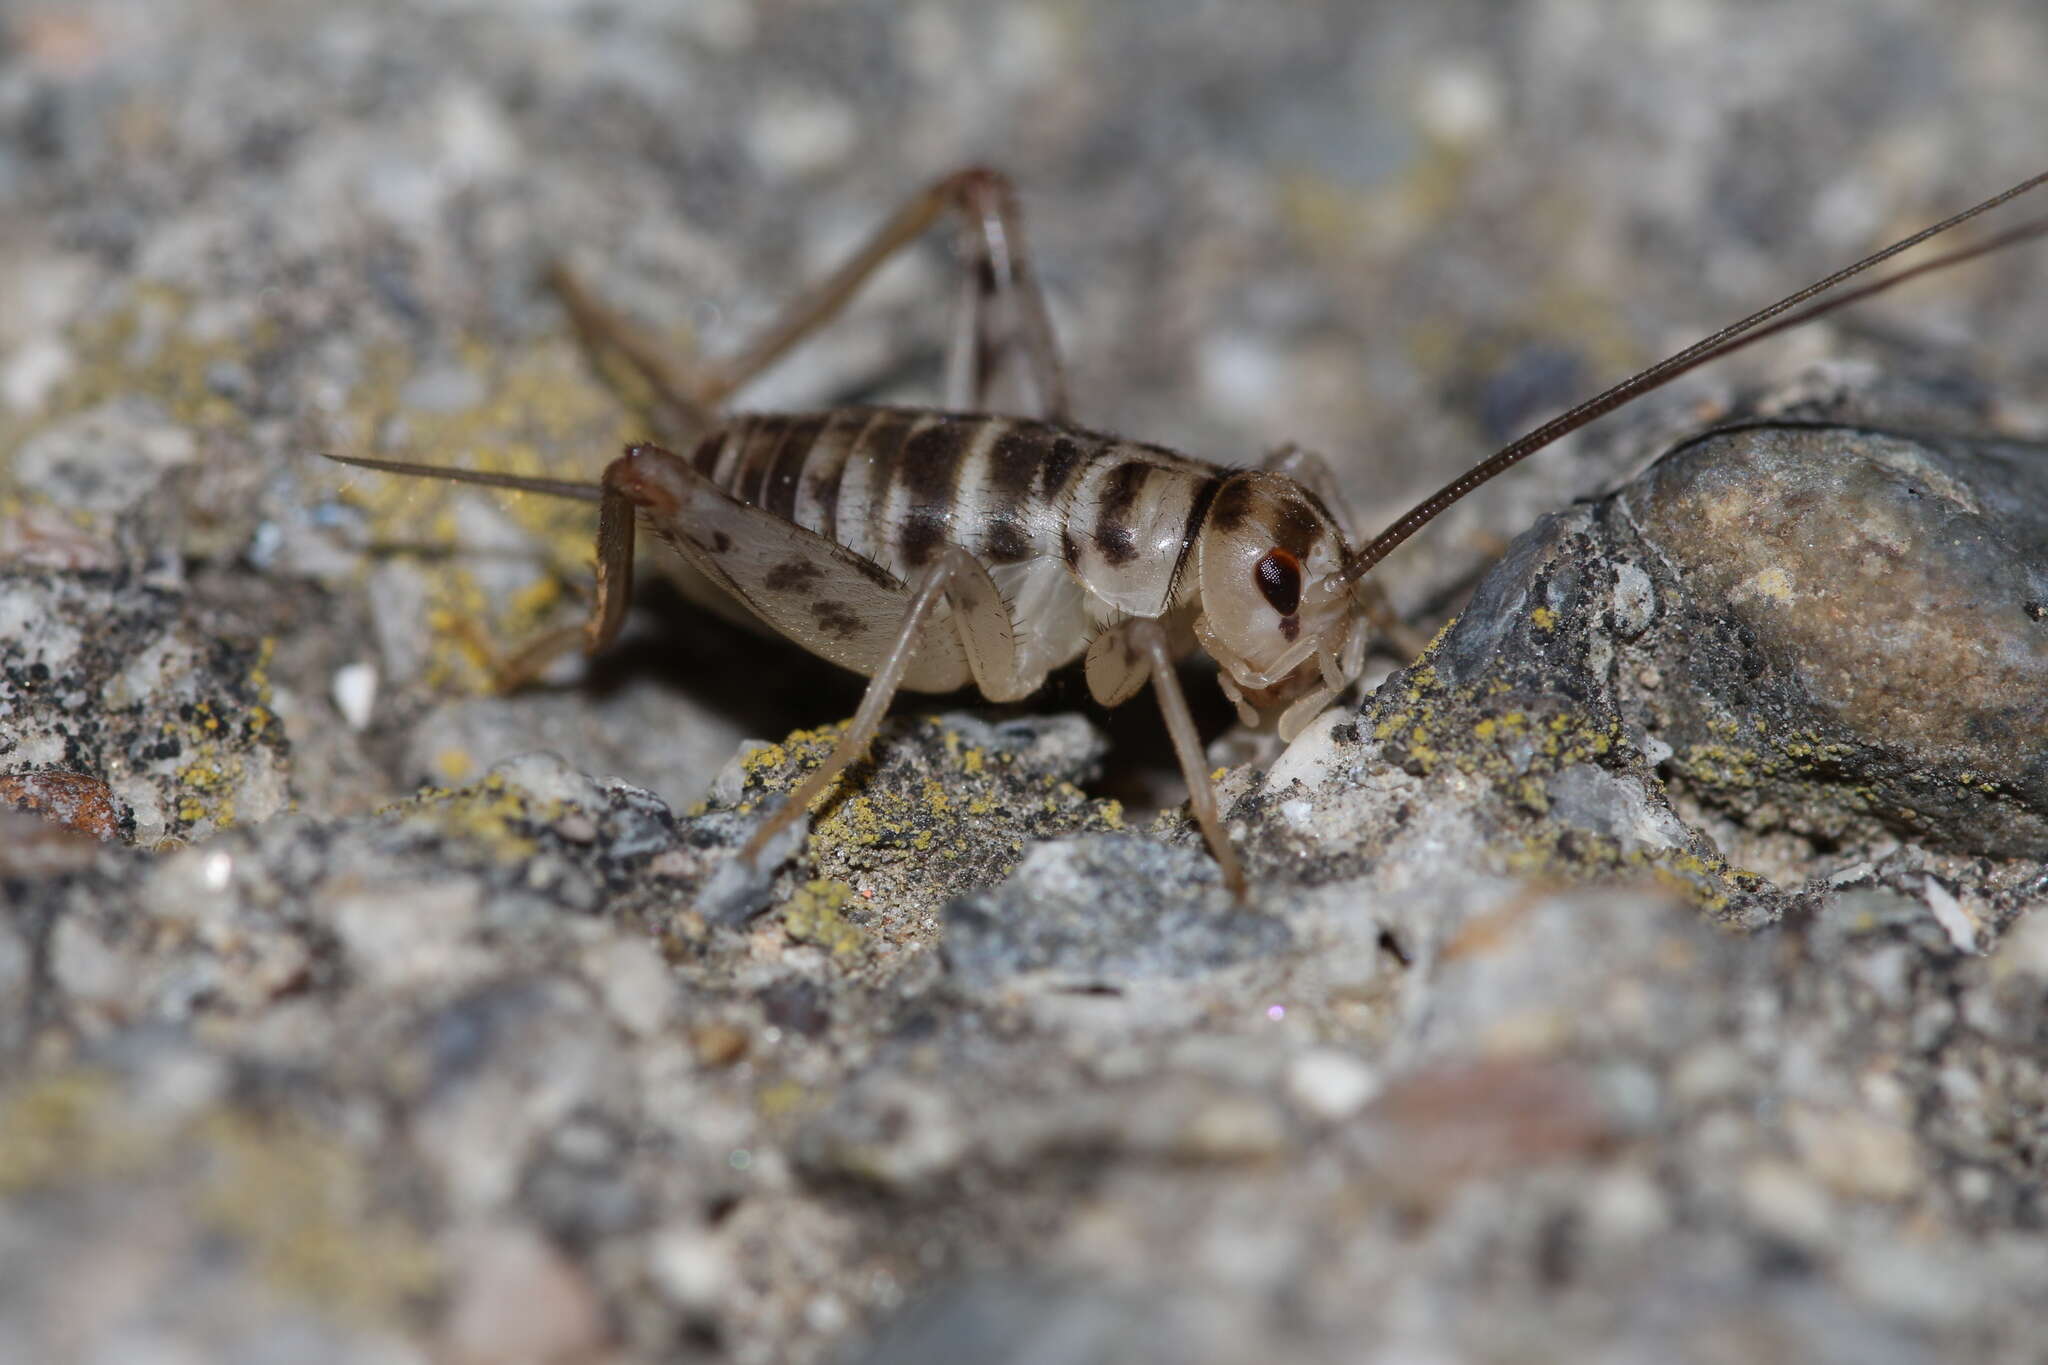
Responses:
[997,275]
[617,498]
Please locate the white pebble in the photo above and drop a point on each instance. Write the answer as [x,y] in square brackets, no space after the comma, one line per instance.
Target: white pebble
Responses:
[1624,1208]
[216,870]
[2024,951]
[35,368]
[692,1268]
[477,142]
[85,968]
[639,989]
[1856,1155]
[355,692]
[1460,102]
[1330,1084]
[1950,915]
[1240,375]
[798,132]
[1778,1197]
[423,936]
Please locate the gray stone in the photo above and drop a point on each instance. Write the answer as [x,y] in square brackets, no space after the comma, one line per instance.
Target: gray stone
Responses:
[114,680]
[1102,910]
[1864,618]
[1011,1321]
[107,459]
[1841,639]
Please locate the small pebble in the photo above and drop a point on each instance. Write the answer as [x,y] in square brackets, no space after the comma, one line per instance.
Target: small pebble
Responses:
[355,693]
[1331,1085]
[516,1301]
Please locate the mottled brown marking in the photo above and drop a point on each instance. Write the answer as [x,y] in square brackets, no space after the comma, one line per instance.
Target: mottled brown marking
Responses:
[793,575]
[1120,490]
[720,542]
[930,462]
[1289,517]
[1296,527]
[1004,542]
[1290,628]
[922,533]
[1117,545]
[1233,506]
[836,620]
[1011,472]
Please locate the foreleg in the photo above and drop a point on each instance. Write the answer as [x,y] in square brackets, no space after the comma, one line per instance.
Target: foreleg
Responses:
[1149,639]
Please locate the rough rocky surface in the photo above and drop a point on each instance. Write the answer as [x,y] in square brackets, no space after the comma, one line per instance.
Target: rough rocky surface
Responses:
[107,677]
[1804,622]
[1865,617]
[1655,970]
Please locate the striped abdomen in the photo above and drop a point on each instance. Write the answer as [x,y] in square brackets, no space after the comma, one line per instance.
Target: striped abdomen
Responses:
[894,485]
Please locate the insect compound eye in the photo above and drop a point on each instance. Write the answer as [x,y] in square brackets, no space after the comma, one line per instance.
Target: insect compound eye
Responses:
[1279,578]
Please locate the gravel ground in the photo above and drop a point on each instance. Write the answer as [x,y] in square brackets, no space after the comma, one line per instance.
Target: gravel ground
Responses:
[1655,970]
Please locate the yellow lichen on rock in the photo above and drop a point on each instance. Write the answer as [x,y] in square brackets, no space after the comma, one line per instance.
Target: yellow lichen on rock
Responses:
[296,1202]
[814,916]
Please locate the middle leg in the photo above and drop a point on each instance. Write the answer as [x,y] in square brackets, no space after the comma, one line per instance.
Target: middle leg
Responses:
[987,637]
[1152,643]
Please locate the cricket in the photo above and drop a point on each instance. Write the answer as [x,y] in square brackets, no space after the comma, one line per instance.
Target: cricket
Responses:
[927,549]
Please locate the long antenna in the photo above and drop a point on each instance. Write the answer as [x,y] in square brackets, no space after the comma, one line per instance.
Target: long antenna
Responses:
[2037,227]
[1721,343]
[553,488]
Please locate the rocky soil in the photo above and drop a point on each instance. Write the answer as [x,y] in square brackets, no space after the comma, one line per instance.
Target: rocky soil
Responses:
[1655,969]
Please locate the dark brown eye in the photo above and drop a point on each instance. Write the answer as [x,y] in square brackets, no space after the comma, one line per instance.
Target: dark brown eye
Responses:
[1279,575]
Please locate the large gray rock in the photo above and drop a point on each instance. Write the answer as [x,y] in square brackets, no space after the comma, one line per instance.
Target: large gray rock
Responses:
[1857,628]
[1833,628]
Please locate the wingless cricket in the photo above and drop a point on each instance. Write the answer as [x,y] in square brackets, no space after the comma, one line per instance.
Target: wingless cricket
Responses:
[930,549]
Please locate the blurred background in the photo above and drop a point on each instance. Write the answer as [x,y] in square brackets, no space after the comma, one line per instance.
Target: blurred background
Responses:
[234,234]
